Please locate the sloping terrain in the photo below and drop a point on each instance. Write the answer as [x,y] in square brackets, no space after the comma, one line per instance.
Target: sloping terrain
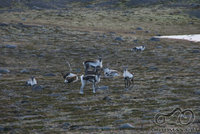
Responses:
[55,4]
[38,43]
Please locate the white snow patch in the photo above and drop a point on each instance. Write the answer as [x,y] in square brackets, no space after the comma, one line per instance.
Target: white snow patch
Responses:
[192,37]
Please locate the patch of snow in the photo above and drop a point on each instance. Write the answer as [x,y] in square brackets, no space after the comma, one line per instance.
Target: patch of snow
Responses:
[192,37]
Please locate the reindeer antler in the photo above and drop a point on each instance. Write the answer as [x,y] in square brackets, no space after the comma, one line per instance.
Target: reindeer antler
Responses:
[69,65]
[62,73]
[70,69]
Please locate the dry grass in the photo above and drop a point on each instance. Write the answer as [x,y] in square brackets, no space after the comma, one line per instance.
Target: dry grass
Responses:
[166,73]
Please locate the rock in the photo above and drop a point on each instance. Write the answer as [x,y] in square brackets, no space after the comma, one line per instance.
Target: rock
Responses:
[1,128]
[34,70]
[55,95]
[197,92]
[126,126]
[162,88]
[75,127]
[195,13]
[78,108]
[65,125]
[10,46]
[103,88]
[169,77]
[105,128]
[132,32]
[78,70]
[4,71]
[170,59]
[23,19]
[37,88]
[49,74]
[97,128]
[139,28]
[62,98]
[104,36]
[152,68]
[33,55]
[92,128]
[7,128]
[154,39]
[114,44]
[40,55]
[159,47]
[3,24]
[107,98]
[111,32]
[118,121]
[196,51]
[89,6]
[119,39]
[24,101]
[24,71]
[135,41]
[146,31]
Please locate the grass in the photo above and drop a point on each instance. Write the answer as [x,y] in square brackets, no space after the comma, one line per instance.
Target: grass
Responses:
[53,36]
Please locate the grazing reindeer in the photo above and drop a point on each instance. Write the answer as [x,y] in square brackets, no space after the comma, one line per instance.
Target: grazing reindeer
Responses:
[70,77]
[128,78]
[94,64]
[31,82]
[92,77]
[138,48]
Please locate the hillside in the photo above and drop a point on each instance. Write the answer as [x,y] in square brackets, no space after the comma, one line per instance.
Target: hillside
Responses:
[37,37]
[114,4]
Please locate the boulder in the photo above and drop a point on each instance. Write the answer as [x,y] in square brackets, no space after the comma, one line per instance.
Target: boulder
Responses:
[126,126]
[4,71]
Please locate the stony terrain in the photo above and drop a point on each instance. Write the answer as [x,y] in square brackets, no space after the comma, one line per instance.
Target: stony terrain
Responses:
[37,42]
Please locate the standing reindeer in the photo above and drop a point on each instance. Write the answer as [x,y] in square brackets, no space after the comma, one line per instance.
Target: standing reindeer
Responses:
[92,77]
[31,82]
[96,65]
[128,78]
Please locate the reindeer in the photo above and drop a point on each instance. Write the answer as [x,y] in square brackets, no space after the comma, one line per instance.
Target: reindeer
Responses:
[69,77]
[138,48]
[96,65]
[31,82]
[92,77]
[128,77]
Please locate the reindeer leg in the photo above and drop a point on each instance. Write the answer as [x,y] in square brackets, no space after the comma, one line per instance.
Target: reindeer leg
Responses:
[95,69]
[94,87]
[83,82]
[132,81]
[129,82]
[86,69]
[125,82]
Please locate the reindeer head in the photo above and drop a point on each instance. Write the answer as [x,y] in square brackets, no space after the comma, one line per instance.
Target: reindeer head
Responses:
[100,58]
[125,68]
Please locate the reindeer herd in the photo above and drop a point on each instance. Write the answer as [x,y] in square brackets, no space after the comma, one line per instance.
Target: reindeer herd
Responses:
[92,75]
[93,70]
